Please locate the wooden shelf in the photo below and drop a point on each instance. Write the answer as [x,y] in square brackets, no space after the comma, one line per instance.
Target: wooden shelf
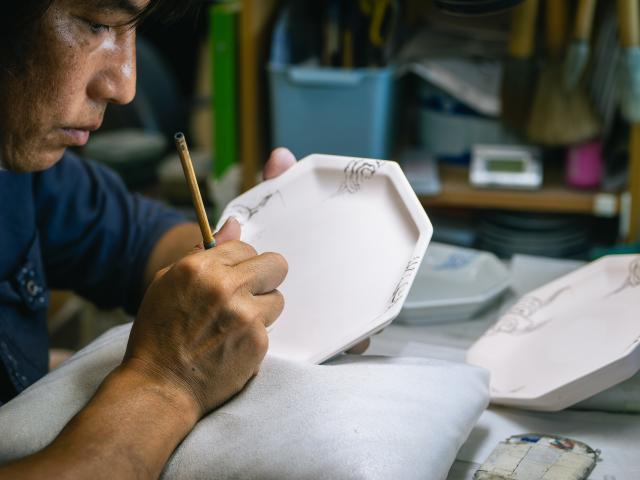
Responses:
[554,196]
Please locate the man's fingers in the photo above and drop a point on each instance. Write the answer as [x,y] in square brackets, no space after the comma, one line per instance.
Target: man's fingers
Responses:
[263,273]
[360,348]
[232,252]
[280,161]
[271,304]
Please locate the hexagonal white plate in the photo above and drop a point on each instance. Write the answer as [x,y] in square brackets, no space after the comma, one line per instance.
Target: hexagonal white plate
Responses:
[354,234]
[568,340]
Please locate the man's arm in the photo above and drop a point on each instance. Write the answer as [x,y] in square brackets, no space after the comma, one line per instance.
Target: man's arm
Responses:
[199,336]
[128,430]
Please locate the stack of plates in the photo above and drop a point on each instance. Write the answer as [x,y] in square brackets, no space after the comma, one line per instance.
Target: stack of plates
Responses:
[453,283]
[506,233]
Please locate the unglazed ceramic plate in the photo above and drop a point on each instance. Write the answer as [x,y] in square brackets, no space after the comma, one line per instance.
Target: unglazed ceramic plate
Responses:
[567,340]
[453,283]
[353,233]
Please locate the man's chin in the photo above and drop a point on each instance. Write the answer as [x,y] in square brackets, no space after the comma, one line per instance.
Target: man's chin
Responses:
[31,162]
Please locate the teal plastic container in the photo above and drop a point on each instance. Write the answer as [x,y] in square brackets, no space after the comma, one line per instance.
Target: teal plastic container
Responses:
[334,111]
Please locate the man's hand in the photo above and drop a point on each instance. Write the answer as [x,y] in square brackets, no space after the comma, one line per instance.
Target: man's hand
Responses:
[199,336]
[201,328]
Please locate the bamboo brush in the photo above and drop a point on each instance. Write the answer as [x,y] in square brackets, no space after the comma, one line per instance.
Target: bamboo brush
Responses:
[628,18]
[190,176]
[559,117]
[519,77]
[578,53]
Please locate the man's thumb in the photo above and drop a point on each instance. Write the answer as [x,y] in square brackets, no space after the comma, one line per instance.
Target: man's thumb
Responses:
[229,231]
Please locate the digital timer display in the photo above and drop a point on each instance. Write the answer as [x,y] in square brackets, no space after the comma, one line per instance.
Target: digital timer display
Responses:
[510,165]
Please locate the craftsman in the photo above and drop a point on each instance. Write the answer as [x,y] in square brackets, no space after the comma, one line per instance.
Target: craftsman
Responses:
[67,223]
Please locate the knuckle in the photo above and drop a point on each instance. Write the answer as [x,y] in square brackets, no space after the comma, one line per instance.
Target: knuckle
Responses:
[243,247]
[223,289]
[258,340]
[249,320]
[279,261]
[188,268]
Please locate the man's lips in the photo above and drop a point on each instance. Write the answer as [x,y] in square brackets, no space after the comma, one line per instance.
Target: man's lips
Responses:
[76,136]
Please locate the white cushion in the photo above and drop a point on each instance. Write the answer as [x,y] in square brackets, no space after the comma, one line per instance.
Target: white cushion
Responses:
[357,417]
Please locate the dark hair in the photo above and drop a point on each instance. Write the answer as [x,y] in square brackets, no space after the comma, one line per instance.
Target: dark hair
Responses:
[20,19]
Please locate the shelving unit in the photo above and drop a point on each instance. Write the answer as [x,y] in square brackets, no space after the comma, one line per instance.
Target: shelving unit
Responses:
[554,196]
[256,19]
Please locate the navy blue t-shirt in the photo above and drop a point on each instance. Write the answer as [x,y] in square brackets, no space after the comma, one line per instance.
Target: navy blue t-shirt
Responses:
[73,227]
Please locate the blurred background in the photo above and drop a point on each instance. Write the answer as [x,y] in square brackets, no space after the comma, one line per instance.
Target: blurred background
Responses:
[516,128]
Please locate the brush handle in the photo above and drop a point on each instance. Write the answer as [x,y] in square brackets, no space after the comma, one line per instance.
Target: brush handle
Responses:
[556,31]
[522,33]
[584,20]
[629,37]
[628,22]
[208,239]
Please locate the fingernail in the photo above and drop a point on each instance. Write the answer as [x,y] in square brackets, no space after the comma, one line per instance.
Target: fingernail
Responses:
[230,219]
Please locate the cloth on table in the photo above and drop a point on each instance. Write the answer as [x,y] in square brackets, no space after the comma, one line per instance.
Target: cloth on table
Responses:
[357,417]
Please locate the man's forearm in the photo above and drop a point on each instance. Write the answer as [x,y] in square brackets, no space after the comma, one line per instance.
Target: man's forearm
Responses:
[128,430]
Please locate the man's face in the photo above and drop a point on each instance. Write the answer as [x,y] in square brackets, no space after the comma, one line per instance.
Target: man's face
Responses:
[81,58]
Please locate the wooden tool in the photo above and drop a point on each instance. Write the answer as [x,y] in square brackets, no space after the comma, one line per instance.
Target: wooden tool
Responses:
[520,69]
[190,176]
[628,18]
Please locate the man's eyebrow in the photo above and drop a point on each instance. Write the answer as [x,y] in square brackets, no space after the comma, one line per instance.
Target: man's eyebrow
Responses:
[126,6]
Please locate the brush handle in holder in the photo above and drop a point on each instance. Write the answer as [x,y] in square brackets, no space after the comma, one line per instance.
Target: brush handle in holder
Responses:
[584,19]
[523,25]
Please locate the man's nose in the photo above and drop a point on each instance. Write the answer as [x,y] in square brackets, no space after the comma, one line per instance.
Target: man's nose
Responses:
[115,80]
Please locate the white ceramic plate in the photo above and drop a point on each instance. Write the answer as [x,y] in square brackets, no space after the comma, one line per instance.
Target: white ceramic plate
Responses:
[568,340]
[453,283]
[354,234]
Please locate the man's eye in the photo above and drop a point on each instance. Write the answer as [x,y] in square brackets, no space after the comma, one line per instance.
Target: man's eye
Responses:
[97,28]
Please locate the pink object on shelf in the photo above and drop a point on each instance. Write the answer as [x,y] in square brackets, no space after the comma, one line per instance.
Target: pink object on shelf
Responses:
[584,167]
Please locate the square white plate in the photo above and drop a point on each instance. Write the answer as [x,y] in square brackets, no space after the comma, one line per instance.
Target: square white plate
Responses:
[353,233]
[568,340]
[453,283]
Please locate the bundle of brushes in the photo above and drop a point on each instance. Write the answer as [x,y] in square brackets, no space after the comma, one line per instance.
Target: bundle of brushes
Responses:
[559,116]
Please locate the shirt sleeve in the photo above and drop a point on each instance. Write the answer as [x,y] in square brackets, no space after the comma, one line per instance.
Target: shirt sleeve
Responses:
[96,236]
